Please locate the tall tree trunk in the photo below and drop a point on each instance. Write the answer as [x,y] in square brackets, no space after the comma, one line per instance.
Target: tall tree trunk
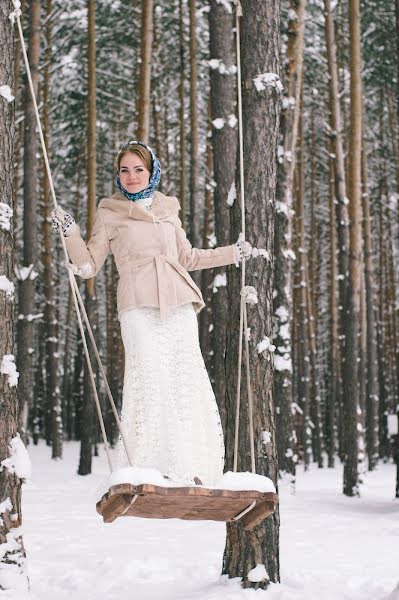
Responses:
[244,550]
[53,398]
[342,219]
[182,141]
[372,392]
[224,141]
[144,103]
[12,561]
[333,381]
[352,314]
[87,414]
[283,252]
[27,274]
[194,166]
[205,317]
[304,371]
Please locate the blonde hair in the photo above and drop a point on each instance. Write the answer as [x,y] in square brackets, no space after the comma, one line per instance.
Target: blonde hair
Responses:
[140,151]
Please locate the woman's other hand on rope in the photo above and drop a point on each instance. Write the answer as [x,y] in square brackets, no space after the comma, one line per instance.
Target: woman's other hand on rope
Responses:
[63,220]
[242,249]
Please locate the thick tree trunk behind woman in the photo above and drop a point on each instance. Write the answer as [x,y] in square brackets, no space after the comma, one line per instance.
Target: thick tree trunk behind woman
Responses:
[12,560]
[224,142]
[283,300]
[261,110]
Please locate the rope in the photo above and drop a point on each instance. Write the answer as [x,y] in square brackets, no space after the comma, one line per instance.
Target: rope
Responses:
[77,298]
[244,298]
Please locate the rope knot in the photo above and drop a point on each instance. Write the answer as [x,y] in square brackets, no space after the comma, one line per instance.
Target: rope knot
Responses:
[15,13]
[249,294]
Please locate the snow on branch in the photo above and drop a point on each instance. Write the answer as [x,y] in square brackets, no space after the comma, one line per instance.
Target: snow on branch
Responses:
[256,252]
[9,368]
[216,64]
[220,280]
[219,123]
[265,80]
[23,273]
[5,216]
[265,344]
[282,363]
[7,286]
[5,92]
[18,462]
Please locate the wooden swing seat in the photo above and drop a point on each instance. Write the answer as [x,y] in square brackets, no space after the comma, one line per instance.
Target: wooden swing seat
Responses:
[189,503]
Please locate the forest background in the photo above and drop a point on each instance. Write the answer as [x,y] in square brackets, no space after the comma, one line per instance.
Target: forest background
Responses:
[326,324]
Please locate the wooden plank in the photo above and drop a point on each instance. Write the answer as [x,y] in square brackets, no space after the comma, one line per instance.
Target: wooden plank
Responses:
[190,503]
[257,515]
[112,509]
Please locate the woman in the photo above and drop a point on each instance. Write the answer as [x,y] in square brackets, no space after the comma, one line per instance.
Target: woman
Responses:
[169,411]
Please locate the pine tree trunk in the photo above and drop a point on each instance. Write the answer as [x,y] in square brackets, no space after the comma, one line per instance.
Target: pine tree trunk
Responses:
[372,392]
[182,141]
[12,562]
[244,550]
[87,414]
[205,317]
[333,367]
[283,272]
[224,141]
[304,342]
[342,219]
[53,399]
[27,275]
[194,166]
[352,314]
[144,103]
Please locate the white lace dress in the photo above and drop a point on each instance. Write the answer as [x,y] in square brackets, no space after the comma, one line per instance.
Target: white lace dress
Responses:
[169,413]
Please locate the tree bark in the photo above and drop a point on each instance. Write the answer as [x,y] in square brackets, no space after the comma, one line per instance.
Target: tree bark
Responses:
[53,398]
[333,359]
[12,562]
[352,315]
[27,275]
[182,141]
[87,414]
[194,165]
[144,103]
[283,251]
[223,94]
[244,550]
[372,392]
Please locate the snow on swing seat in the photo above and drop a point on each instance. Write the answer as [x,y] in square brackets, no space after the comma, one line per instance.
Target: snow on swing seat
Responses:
[133,492]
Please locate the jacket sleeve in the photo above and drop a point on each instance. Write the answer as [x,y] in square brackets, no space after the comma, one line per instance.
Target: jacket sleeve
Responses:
[90,257]
[193,259]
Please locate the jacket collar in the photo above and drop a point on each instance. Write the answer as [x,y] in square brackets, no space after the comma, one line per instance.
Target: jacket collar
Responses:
[164,208]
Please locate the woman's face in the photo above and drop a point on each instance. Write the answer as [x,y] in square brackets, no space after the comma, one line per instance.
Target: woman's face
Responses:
[132,173]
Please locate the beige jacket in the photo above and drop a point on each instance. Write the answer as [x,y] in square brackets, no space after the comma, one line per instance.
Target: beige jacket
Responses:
[151,250]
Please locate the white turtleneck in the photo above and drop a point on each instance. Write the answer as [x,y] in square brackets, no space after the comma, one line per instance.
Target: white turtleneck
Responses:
[145,202]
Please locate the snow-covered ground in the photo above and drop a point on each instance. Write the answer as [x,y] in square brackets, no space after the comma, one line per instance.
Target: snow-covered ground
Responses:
[332,547]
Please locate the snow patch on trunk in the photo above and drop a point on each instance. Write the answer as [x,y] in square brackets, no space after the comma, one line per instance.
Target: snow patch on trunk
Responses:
[18,462]
[9,368]
[5,92]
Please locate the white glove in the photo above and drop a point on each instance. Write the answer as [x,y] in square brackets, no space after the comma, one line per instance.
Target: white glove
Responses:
[63,220]
[242,249]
